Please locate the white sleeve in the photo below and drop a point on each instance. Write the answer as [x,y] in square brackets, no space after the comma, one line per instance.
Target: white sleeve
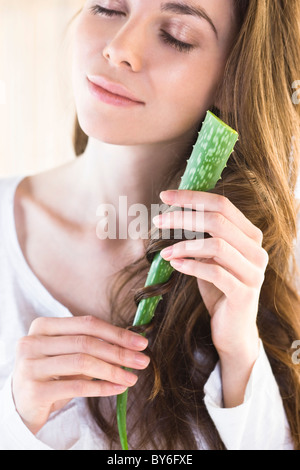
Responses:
[260,423]
[14,434]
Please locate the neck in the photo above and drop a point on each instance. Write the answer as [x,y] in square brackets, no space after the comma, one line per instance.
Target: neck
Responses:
[137,173]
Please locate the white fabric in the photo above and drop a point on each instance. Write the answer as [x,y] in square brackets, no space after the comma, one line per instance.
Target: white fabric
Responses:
[258,424]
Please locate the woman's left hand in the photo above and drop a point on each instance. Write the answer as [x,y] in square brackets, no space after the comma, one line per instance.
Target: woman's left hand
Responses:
[229,267]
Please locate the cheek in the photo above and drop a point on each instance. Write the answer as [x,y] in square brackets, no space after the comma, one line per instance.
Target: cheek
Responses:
[186,95]
[86,44]
[86,59]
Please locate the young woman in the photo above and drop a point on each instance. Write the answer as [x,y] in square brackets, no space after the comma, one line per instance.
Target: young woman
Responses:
[218,372]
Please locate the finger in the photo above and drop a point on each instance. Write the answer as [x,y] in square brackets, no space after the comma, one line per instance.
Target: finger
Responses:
[213,273]
[57,390]
[217,226]
[214,203]
[88,325]
[223,254]
[79,364]
[42,346]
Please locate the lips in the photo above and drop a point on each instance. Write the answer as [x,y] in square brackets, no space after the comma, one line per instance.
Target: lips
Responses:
[112,87]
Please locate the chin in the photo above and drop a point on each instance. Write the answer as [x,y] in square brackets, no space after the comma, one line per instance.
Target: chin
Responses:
[109,134]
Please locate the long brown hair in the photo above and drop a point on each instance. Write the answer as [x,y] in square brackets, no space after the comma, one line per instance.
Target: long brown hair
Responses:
[166,408]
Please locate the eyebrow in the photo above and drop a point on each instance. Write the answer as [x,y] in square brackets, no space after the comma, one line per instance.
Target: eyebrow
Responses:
[183,9]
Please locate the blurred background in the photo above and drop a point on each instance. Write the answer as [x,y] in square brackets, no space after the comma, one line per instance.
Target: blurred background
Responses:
[36,101]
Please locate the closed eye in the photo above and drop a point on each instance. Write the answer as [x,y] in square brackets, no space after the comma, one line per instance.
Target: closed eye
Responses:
[179,45]
[97,9]
[167,38]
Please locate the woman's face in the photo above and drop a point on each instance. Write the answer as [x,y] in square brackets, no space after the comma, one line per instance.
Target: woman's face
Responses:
[171,59]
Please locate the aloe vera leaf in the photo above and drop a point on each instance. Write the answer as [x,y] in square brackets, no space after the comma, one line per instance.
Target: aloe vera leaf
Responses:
[215,144]
[210,155]
[121,418]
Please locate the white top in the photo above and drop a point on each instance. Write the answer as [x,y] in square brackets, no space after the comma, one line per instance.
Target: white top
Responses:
[258,424]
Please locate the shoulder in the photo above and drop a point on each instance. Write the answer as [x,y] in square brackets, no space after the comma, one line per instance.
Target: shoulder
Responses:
[7,182]
[8,185]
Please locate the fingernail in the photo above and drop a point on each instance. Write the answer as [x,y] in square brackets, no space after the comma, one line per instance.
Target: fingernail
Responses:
[141,359]
[139,341]
[168,196]
[167,252]
[131,379]
[177,263]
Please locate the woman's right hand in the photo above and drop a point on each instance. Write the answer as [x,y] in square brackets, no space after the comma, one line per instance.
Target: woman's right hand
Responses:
[59,359]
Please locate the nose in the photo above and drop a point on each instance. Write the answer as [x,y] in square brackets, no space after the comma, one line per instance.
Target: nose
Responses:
[125,49]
